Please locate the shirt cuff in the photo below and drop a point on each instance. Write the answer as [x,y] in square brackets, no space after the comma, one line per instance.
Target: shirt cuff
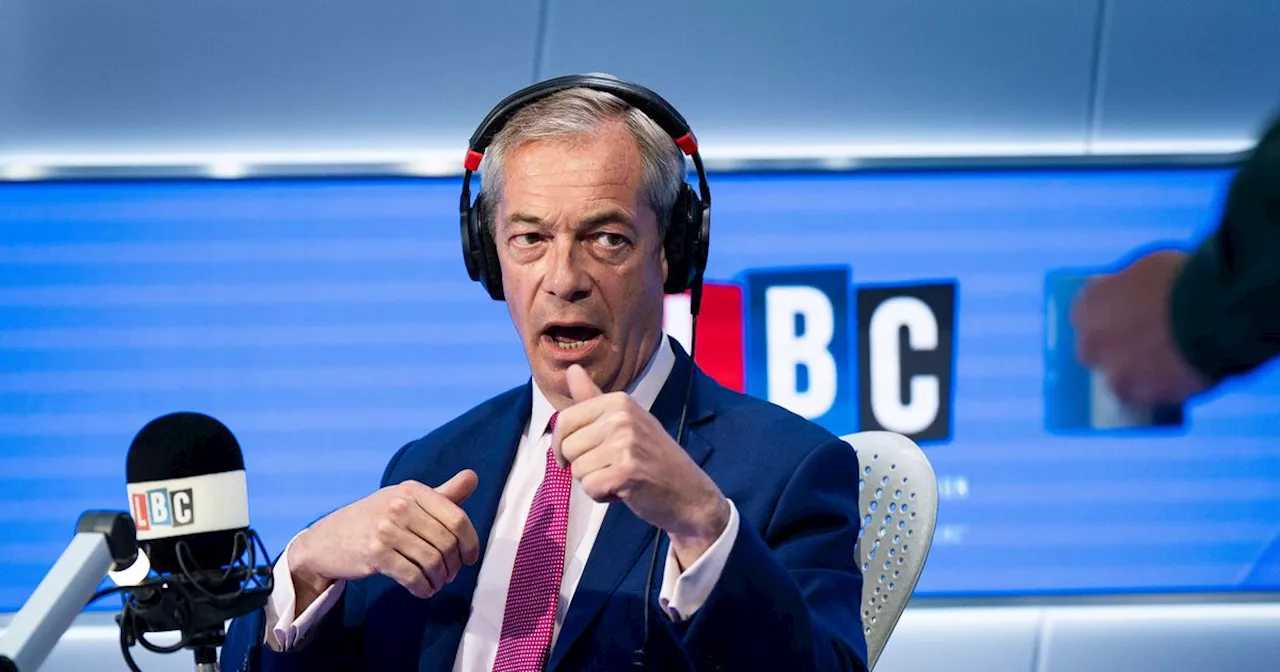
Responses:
[285,629]
[682,594]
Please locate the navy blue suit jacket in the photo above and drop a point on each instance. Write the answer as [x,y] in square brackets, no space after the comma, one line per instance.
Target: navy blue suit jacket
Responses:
[788,599]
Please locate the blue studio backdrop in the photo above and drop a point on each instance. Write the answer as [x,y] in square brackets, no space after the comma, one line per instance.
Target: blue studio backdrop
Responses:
[329,321]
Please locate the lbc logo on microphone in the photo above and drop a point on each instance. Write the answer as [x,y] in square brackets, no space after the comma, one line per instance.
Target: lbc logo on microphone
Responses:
[849,358]
[161,507]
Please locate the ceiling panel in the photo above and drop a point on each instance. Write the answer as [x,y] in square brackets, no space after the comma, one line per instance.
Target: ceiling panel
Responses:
[234,75]
[9,47]
[1200,70]
[833,71]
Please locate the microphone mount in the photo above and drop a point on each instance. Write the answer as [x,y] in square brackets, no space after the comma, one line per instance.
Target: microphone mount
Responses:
[195,602]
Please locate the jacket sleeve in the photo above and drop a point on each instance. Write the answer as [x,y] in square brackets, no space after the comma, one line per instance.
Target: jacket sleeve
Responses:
[790,599]
[1226,301]
[333,644]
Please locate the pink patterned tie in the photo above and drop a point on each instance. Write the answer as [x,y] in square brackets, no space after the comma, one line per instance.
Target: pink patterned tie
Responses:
[530,614]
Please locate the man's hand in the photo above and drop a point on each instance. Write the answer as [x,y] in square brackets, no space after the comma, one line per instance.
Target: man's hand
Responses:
[412,533]
[1123,328]
[620,452]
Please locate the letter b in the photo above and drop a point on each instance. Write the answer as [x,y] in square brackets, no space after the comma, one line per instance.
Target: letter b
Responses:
[158,502]
[788,349]
[798,343]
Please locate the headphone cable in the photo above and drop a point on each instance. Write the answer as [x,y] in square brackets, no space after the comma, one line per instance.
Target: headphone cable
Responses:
[694,302]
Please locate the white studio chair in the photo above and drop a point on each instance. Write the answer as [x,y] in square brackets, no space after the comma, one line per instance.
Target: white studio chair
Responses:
[898,496]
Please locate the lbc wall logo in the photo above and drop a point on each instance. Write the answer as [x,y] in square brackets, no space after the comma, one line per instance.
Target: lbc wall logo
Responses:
[162,507]
[876,357]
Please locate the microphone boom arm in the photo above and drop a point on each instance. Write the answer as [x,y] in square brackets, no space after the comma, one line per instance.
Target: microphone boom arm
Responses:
[104,540]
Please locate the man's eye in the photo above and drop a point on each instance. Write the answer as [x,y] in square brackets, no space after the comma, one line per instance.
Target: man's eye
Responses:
[525,238]
[612,240]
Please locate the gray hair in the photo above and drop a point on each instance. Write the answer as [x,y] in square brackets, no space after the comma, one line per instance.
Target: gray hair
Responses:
[582,112]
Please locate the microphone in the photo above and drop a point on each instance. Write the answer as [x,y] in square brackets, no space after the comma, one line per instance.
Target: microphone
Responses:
[189,500]
[187,487]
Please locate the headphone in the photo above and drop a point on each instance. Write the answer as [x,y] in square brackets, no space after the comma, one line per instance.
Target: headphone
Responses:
[688,229]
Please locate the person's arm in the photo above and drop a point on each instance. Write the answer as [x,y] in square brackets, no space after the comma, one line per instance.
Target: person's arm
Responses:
[309,640]
[296,607]
[685,589]
[317,642]
[790,599]
[317,576]
[1225,306]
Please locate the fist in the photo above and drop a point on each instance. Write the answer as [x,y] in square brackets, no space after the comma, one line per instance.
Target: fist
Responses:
[1124,329]
[409,532]
[620,452]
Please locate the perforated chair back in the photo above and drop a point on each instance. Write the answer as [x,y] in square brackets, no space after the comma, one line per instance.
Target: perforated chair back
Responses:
[898,496]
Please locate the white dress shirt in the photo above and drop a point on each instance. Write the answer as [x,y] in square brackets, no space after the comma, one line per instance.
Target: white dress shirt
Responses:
[681,594]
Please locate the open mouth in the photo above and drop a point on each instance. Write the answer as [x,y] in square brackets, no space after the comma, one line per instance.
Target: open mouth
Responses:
[571,337]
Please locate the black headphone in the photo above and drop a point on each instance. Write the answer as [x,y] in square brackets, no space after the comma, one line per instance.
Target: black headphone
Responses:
[688,228]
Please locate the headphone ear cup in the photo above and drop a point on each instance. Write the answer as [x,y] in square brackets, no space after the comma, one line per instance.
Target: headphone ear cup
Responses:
[470,251]
[699,239]
[491,276]
[478,251]
[677,242]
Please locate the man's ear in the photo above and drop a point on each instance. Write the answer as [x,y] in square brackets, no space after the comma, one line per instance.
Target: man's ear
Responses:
[662,247]
[662,257]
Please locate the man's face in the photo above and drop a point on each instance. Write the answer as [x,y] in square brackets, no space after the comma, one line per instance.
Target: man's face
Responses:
[582,260]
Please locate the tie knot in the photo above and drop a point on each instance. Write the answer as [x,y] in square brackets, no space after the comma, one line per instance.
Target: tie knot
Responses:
[551,424]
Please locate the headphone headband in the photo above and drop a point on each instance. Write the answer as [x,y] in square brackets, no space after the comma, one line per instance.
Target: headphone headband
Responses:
[639,97]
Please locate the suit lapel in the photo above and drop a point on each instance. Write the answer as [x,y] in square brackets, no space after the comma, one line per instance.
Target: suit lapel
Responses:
[623,536]
[490,452]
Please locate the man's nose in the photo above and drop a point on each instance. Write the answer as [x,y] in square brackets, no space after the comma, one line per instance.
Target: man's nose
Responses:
[566,278]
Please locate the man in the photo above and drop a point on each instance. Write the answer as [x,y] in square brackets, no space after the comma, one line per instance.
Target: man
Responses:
[534,550]
[1172,325]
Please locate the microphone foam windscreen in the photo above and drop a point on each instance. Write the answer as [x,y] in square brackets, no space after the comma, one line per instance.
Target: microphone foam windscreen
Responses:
[187,485]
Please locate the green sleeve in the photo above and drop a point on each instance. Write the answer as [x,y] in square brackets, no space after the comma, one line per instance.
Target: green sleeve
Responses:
[1226,301]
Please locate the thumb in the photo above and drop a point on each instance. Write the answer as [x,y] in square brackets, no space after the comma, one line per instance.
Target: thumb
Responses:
[581,387]
[460,486]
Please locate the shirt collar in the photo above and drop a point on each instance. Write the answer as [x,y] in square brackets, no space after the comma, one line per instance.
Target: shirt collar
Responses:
[644,389]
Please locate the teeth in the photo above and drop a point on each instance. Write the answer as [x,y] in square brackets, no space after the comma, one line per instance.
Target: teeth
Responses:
[570,345]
